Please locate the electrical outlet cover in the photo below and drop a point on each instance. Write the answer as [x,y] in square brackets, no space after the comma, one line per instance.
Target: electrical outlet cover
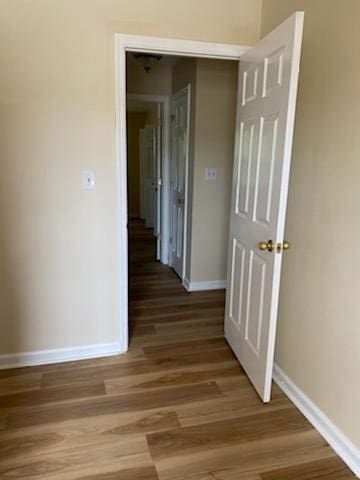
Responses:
[210,173]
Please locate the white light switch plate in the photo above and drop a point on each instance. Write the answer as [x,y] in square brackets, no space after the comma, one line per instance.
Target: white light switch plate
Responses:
[210,173]
[88,179]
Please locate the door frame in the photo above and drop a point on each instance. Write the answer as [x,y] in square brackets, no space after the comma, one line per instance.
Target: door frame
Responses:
[186,90]
[164,101]
[161,45]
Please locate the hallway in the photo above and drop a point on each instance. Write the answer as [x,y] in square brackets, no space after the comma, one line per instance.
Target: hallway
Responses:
[160,306]
[177,406]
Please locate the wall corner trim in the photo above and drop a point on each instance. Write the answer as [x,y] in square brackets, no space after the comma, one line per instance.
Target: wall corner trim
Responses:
[44,357]
[207,285]
[335,438]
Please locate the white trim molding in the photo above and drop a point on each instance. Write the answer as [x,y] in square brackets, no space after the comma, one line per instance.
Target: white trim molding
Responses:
[44,357]
[207,285]
[185,48]
[335,438]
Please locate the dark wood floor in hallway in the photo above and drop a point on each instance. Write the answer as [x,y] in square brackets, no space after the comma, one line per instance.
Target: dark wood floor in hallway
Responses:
[177,406]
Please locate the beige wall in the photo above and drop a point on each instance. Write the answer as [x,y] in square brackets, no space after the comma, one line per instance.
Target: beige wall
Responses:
[318,343]
[135,121]
[212,118]
[151,114]
[59,278]
[216,88]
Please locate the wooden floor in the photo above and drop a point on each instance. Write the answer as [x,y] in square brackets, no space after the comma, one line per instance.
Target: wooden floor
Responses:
[176,407]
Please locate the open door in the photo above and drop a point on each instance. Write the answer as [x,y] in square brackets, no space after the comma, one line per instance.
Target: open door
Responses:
[268,78]
[178,183]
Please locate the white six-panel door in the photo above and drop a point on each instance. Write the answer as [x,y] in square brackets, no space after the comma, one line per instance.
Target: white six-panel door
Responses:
[268,77]
[179,160]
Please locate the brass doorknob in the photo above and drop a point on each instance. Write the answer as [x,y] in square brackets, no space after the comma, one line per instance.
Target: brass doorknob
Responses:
[269,246]
[285,245]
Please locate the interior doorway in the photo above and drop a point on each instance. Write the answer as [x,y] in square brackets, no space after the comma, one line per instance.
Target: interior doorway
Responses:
[125,44]
[266,100]
[201,135]
[193,181]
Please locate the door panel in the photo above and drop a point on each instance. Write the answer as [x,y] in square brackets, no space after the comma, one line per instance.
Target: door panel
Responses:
[268,75]
[264,180]
[254,313]
[245,167]
[236,303]
[179,159]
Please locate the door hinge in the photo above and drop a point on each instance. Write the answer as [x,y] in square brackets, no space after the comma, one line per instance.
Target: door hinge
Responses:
[159,182]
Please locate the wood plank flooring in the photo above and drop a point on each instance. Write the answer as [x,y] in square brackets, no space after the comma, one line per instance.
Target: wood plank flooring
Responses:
[176,407]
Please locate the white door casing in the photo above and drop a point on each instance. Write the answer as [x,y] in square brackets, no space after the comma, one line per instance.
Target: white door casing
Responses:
[164,46]
[178,182]
[268,78]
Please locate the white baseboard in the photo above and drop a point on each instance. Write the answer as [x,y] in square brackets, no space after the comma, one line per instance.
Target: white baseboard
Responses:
[209,285]
[43,357]
[336,439]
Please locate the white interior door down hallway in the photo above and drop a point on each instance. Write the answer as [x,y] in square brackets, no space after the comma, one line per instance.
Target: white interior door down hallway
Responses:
[180,120]
[151,155]
[150,178]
